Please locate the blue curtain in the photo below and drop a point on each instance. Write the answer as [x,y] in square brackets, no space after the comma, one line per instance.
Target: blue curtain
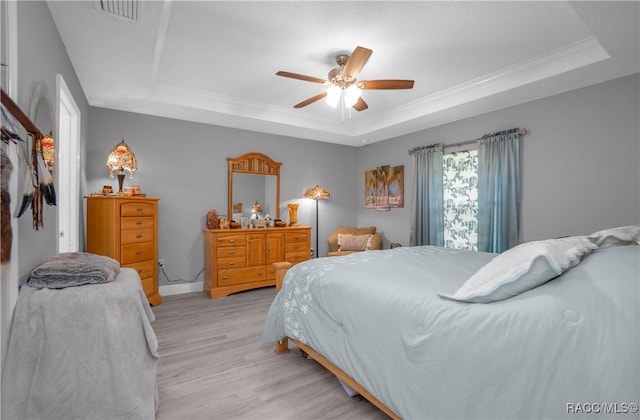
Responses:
[427,212]
[498,191]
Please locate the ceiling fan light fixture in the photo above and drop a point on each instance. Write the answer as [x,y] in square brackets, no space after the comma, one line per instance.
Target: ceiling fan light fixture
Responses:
[333,95]
[351,95]
[343,86]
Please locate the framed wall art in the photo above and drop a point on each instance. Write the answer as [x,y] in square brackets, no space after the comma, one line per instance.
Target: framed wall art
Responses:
[384,187]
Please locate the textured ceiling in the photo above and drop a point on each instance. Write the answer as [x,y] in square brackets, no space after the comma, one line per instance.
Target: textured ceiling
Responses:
[215,62]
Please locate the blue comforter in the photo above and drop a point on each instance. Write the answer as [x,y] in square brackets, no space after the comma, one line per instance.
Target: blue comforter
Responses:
[567,349]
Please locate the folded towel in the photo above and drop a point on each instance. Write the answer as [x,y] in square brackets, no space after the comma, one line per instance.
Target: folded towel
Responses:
[74,269]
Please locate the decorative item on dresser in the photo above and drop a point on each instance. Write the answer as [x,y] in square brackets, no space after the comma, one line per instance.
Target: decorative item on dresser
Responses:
[242,259]
[293,213]
[121,159]
[125,228]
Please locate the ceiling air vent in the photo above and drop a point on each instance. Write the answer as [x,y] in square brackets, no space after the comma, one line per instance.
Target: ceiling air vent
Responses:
[124,8]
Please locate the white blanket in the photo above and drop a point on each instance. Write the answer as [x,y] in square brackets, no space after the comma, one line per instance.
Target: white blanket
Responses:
[86,352]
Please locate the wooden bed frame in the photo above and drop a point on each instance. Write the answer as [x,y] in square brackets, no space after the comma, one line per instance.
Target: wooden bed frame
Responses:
[282,346]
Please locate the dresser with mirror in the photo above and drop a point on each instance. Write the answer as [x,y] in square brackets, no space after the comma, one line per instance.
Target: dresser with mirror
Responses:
[241,258]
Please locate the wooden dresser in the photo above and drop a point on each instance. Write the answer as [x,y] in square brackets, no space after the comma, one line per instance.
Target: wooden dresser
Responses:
[125,228]
[242,259]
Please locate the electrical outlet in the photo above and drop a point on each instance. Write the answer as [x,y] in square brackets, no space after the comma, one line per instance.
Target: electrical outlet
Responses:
[161,262]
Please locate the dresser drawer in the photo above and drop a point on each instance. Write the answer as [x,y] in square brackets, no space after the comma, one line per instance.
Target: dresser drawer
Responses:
[140,235]
[137,209]
[296,257]
[296,237]
[135,252]
[296,247]
[144,268]
[231,240]
[232,252]
[131,223]
[241,275]
[231,262]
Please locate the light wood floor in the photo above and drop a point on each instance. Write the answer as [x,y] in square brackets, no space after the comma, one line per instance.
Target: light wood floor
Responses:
[214,366]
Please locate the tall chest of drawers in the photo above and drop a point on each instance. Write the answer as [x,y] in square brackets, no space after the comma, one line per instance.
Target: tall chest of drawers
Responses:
[242,259]
[125,228]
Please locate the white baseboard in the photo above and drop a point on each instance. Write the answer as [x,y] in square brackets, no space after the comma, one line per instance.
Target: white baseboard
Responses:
[177,289]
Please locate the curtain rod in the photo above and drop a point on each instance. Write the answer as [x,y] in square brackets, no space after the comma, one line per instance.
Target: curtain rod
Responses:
[520,131]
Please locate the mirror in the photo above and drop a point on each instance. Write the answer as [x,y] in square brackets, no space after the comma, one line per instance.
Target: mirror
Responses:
[254,177]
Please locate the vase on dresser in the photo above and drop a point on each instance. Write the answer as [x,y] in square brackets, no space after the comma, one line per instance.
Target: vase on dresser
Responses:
[293,213]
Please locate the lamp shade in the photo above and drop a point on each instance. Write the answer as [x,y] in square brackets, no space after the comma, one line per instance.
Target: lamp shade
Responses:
[122,159]
[317,193]
[351,95]
[48,145]
[334,93]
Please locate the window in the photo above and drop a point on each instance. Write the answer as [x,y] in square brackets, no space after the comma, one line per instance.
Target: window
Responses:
[460,184]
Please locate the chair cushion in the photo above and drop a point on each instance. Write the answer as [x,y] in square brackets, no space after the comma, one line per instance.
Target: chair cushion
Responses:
[349,242]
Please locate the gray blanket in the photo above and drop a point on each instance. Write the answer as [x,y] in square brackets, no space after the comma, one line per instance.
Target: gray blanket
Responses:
[86,352]
[74,269]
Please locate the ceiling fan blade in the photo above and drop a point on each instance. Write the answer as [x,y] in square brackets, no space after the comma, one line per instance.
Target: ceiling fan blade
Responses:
[361,105]
[301,77]
[356,62]
[310,100]
[386,84]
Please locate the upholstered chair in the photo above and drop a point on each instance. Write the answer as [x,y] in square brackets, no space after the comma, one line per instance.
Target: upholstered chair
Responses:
[347,240]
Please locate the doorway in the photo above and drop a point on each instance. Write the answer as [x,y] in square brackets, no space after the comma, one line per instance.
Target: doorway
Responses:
[68,143]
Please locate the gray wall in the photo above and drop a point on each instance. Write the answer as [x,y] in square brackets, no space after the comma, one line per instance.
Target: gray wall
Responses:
[580,162]
[41,55]
[185,164]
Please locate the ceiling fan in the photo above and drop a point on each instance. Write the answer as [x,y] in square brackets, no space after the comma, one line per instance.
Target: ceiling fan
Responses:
[343,81]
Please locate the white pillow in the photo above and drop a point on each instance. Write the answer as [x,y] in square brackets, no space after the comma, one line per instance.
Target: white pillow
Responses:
[522,268]
[348,242]
[623,235]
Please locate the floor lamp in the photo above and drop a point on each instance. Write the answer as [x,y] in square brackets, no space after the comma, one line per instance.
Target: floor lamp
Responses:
[317,193]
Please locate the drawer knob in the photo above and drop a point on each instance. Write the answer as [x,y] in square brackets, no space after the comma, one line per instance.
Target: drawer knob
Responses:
[232,252]
[138,222]
[232,240]
[139,209]
[139,251]
[232,262]
[138,236]
[225,277]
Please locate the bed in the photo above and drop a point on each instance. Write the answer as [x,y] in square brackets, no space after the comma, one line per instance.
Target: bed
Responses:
[386,322]
[82,352]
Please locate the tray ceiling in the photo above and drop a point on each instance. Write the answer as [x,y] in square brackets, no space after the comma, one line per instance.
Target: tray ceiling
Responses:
[214,62]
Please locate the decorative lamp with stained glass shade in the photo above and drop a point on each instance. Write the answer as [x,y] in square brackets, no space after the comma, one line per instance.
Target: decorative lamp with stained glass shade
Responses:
[48,146]
[121,159]
[317,193]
